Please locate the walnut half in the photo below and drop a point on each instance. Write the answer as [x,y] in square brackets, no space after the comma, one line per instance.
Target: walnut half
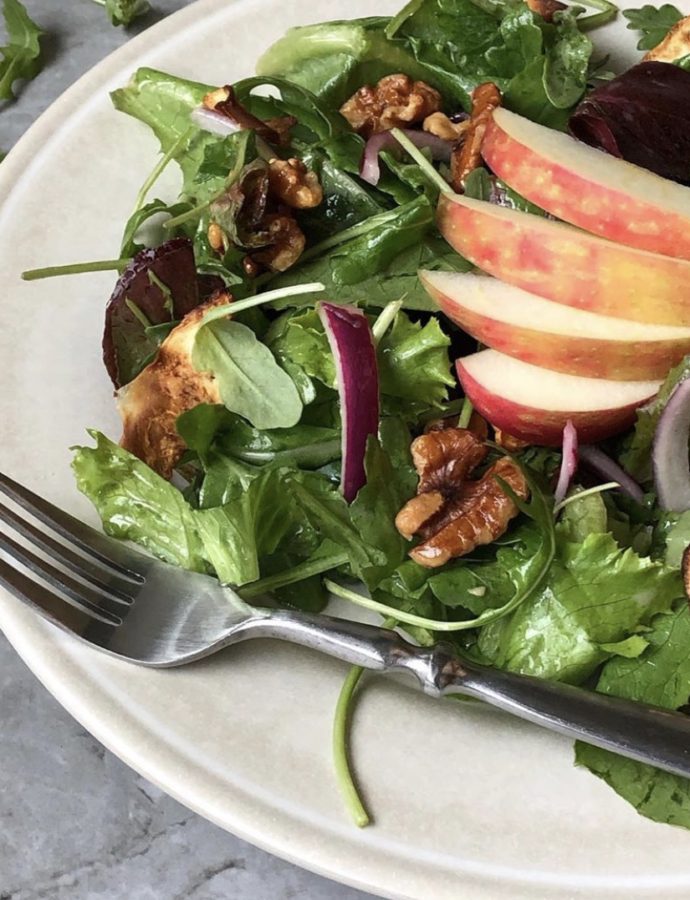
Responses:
[395,101]
[451,514]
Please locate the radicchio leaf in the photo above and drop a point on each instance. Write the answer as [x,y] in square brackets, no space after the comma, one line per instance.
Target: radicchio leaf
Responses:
[642,116]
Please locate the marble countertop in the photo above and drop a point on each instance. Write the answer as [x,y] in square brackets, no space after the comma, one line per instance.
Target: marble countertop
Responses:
[77,824]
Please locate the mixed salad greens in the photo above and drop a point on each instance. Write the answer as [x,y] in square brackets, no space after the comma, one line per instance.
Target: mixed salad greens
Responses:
[276,360]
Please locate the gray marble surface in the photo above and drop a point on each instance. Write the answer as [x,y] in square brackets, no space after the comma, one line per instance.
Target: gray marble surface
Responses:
[75,822]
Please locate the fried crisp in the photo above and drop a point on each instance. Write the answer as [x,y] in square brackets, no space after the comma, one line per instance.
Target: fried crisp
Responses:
[467,157]
[395,101]
[170,385]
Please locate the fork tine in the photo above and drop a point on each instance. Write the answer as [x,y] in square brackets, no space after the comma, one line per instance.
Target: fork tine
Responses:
[107,551]
[85,597]
[95,574]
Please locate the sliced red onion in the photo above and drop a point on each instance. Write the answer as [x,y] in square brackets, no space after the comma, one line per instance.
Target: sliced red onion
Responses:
[603,465]
[369,168]
[213,122]
[670,451]
[354,351]
[569,463]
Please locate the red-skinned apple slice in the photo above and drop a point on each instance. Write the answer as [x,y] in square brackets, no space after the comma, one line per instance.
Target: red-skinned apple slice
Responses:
[567,265]
[552,335]
[534,404]
[587,187]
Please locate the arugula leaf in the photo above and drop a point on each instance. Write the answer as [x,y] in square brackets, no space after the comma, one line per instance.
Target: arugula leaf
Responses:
[653,23]
[130,247]
[124,12]
[595,594]
[250,381]
[21,56]
[661,676]
[636,458]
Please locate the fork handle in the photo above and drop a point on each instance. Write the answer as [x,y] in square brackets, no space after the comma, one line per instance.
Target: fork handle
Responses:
[645,733]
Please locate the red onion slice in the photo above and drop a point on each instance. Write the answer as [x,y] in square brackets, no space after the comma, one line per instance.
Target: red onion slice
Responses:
[354,352]
[670,451]
[213,122]
[569,463]
[370,170]
[603,465]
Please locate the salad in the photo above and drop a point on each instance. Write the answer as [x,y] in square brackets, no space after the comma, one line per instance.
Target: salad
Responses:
[415,333]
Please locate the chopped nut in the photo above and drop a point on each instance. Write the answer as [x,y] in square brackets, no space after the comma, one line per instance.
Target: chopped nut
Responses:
[394,101]
[251,268]
[508,442]
[216,237]
[223,101]
[213,98]
[674,45]
[546,8]
[466,157]
[286,242]
[439,124]
[295,185]
[282,125]
[480,514]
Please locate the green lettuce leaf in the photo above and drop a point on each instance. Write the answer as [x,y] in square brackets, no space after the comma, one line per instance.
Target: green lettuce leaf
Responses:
[414,363]
[595,594]
[661,676]
[124,12]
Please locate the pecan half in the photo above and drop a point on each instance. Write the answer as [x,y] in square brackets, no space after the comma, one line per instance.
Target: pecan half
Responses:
[478,515]
[451,514]
[292,183]
[394,101]
[546,8]
[466,157]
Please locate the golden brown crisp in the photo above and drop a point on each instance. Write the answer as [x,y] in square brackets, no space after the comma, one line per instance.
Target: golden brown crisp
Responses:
[293,184]
[467,157]
[395,101]
[674,45]
[478,515]
[170,385]
[439,124]
[546,8]
[286,242]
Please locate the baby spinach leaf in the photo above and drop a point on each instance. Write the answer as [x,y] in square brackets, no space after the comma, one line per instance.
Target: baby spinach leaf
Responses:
[567,62]
[21,56]
[250,381]
[653,23]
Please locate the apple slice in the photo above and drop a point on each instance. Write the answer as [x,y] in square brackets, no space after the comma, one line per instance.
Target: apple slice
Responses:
[534,404]
[554,336]
[587,187]
[567,265]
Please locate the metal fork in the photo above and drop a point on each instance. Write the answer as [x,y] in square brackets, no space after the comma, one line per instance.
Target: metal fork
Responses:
[133,607]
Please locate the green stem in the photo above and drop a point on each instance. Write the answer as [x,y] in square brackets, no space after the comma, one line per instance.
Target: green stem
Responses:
[341,755]
[293,575]
[422,162]
[465,413]
[608,13]
[103,265]
[218,312]
[598,489]
[409,9]
[159,168]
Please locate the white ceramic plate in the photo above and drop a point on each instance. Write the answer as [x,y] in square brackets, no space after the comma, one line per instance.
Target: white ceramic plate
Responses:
[468,803]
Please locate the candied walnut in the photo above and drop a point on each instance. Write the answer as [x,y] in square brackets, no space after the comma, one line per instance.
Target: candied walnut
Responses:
[285,240]
[675,45]
[292,183]
[170,385]
[508,442]
[394,101]
[466,157]
[439,124]
[546,8]
[478,515]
